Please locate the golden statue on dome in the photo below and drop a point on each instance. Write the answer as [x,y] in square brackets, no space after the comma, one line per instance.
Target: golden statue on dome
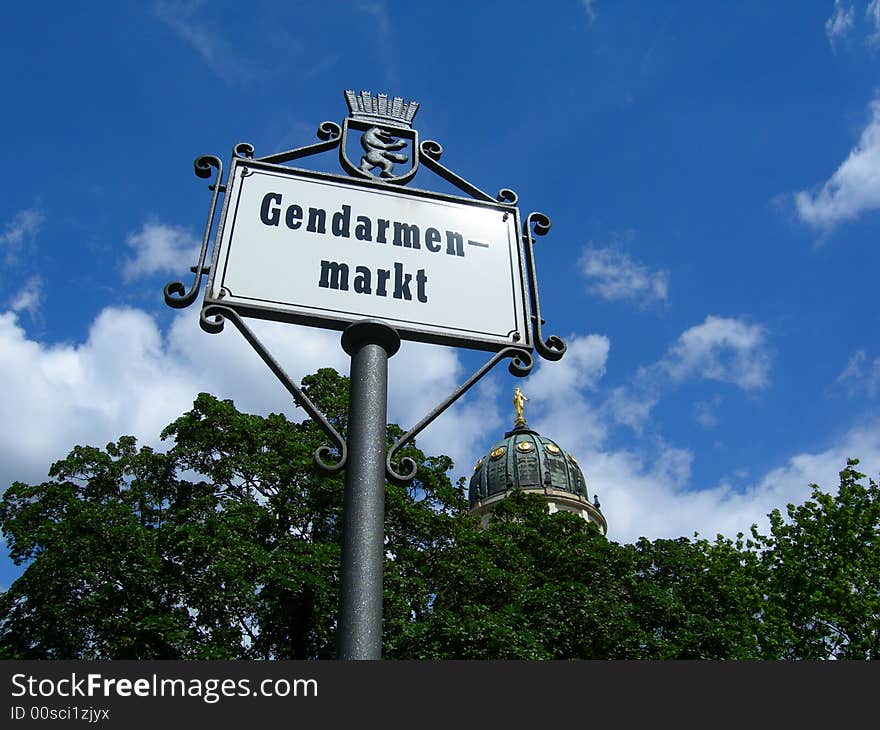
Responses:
[519,400]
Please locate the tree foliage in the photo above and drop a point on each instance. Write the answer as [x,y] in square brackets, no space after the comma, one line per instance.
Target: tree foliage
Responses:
[227,545]
[821,573]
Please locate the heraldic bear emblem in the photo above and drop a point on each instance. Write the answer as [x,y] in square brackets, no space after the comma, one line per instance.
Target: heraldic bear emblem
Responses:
[378,145]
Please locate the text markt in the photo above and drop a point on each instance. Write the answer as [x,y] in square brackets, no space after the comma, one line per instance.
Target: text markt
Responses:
[394,281]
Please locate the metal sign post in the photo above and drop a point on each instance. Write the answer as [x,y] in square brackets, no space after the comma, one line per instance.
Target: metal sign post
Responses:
[359,635]
[362,254]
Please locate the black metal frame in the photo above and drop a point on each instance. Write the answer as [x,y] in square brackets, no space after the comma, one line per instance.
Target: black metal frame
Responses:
[427,153]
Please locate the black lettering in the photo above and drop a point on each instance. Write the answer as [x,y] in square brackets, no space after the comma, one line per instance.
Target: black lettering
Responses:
[362,279]
[382,229]
[382,276]
[270,217]
[318,220]
[406,235]
[454,243]
[339,225]
[363,231]
[401,283]
[293,217]
[432,240]
[421,280]
[333,276]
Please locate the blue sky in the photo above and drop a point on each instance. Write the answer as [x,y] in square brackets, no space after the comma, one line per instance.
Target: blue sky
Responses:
[712,172]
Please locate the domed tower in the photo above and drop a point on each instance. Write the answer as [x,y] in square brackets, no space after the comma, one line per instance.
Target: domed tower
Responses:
[526,460]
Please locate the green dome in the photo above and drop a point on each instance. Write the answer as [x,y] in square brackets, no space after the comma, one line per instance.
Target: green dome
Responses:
[525,460]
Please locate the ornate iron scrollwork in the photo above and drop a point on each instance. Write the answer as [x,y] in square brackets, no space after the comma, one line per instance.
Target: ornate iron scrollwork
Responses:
[175,292]
[520,365]
[244,149]
[329,132]
[553,348]
[430,153]
[212,320]
[507,196]
[386,125]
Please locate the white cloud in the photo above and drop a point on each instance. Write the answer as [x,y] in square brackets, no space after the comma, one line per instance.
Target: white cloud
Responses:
[580,369]
[558,393]
[632,405]
[672,465]
[386,45]
[59,395]
[589,9]
[706,412]
[853,189]
[873,14]
[29,297]
[562,397]
[648,490]
[159,247]
[380,16]
[859,376]
[840,23]
[22,229]
[222,57]
[613,275]
[723,349]
[652,496]
[127,377]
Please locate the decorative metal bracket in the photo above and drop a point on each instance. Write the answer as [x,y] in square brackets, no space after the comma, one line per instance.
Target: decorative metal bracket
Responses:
[176,295]
[370,114]
[212,320]
[430,153]
[329,132]
[553,348]
[520,365]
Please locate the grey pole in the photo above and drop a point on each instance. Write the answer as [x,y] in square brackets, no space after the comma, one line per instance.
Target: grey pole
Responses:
[359,634]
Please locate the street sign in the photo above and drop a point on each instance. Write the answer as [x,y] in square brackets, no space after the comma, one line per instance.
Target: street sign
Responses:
[381,262]
[325,250]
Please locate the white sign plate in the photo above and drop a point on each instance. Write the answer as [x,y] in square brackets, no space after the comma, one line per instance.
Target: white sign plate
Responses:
[326,251]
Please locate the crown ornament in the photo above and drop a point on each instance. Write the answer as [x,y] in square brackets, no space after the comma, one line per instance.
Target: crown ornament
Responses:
[381,110]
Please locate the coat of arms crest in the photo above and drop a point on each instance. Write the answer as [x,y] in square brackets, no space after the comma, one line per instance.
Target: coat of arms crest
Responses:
[387,137]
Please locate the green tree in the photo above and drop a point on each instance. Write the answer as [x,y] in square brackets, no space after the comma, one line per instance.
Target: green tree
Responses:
[538,586]
[227,545]
[821,573]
